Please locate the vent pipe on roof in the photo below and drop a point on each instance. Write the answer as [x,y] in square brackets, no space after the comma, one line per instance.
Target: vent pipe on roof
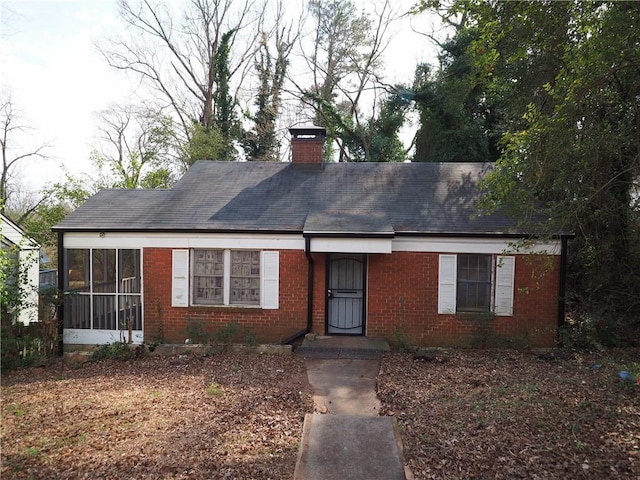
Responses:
[306,145]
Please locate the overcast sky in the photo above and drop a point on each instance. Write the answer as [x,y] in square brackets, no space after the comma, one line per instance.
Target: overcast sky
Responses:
[58,80]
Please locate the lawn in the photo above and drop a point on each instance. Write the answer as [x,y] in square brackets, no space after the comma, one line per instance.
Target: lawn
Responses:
[461,414]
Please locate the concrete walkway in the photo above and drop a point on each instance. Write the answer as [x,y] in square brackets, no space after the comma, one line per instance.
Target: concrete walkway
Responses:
[346,439]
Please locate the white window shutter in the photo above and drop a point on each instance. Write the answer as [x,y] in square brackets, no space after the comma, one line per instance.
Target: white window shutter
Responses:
[180,278]
[270,274]
[505,279]
[447,278]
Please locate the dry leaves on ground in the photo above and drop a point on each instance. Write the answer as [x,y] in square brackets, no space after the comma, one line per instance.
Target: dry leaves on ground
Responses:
[461,414]
[510,414]
[221,417]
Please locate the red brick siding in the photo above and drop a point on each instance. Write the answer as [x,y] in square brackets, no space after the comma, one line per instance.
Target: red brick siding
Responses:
[307,150]
[319,293]
[403,300]
[170,323]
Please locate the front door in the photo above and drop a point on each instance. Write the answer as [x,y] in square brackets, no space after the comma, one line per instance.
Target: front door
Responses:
[345,294]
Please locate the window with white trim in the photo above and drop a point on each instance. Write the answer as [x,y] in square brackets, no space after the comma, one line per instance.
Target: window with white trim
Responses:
[208,277]
[245,277]
[225,277]
[476,283]
[473,283]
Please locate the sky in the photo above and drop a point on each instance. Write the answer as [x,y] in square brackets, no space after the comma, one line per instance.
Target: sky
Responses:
[57,79]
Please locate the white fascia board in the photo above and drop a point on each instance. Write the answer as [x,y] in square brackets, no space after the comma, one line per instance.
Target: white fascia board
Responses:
[351,245]
[16,236]
[496,246]
[255,241]
[77,336]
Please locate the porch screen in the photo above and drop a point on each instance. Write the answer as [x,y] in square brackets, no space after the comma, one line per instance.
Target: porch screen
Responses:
[102,289]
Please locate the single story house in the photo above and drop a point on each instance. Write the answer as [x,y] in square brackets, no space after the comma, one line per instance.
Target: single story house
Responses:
[393,250]
[25,253]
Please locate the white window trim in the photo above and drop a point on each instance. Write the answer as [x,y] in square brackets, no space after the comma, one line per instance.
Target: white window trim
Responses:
[269,281]
[502,285]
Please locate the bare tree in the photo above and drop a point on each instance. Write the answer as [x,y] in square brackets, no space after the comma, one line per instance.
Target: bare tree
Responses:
[177,58]
[11,127]
[136,145]
[345,62]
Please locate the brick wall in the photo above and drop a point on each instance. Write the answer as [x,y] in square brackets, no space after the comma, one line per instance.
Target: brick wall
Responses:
[267,326]
[402,300]
[403,303]
[307,150]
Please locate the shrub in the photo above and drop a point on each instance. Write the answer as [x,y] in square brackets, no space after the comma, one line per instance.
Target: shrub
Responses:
[114,351]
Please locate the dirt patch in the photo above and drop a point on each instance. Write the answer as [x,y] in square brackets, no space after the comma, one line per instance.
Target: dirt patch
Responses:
[509,414]
[228,416]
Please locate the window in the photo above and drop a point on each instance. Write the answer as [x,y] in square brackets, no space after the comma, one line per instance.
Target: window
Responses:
[103,289]
[225,277]
[208,277]
[245,277]
[476,283]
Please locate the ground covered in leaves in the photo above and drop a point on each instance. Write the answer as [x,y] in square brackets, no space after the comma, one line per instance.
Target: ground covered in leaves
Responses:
[461,414]
[510,414]
[220,417]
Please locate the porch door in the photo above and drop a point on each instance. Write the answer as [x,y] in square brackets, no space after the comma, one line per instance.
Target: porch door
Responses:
[345,294]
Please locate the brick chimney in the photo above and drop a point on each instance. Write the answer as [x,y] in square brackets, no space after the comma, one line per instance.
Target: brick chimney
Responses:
[306,145]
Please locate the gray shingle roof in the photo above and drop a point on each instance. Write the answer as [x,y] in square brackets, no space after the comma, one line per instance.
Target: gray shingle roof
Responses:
[341,198]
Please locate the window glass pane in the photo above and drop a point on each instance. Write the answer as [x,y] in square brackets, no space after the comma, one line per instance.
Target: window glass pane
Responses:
[208,278]
[129,271]
[474,283]
[77,269]
[245,277]
[104,271]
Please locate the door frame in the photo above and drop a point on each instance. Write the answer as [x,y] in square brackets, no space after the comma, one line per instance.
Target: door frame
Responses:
[328,258]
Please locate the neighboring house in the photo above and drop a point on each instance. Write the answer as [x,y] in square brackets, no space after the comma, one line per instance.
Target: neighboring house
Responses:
[393,250]
[27,253]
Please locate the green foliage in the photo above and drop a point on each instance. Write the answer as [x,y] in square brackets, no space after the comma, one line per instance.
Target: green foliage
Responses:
[227,333]
[214,390]
[225,118]
[16,292]
[202,332]
[38,224]
[376,140]
[566,80]
[24,346]
[484,335]
[344,62]
[136,148]
[261,144]
[198,331]
[459,121]
[592,330]
[112,351]
[204,144]
[401,340]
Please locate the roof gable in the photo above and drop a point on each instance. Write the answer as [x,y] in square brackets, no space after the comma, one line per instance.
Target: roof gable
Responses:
[12,234]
